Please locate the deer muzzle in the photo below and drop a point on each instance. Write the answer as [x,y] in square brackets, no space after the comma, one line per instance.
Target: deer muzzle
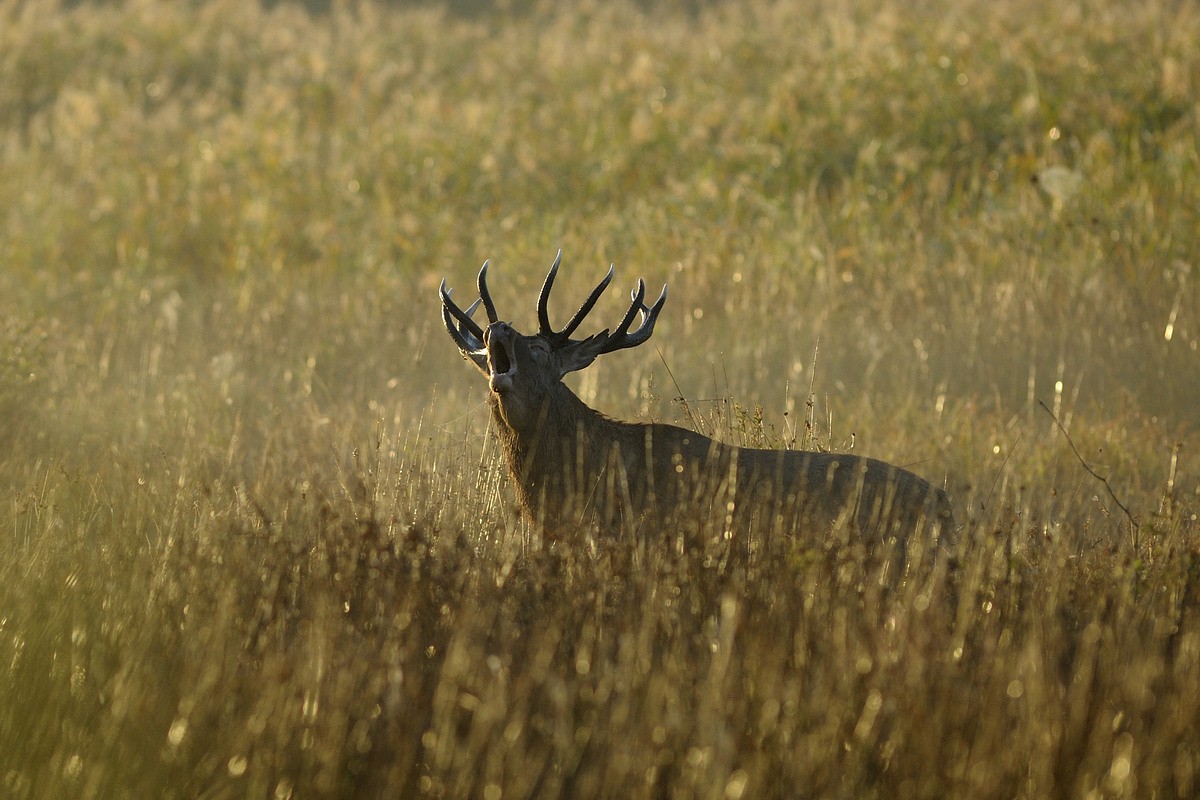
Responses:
[502,364]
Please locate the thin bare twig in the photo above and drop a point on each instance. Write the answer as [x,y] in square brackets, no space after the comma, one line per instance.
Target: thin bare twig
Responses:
[1132,521]
[679,391]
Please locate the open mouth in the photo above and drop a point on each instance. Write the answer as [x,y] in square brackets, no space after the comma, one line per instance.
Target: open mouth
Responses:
[499,359]
[501,365]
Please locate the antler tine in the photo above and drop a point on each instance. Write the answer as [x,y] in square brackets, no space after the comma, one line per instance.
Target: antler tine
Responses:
[636,296]
[587,304]
[485,296]
[543,316]
[546,329]
[467,334]
[464,339]
[621,339]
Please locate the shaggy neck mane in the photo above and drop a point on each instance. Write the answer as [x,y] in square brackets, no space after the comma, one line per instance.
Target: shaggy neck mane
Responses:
[570,442]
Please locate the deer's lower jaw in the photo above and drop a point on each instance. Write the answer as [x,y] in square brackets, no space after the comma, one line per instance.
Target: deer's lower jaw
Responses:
[501,383]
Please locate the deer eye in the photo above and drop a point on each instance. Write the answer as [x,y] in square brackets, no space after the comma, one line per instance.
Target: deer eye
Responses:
[539,346]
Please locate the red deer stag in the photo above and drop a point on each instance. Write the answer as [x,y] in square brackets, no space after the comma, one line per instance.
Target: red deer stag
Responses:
[572,465]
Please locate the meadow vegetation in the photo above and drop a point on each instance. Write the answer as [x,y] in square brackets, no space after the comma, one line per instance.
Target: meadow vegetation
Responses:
[257,541]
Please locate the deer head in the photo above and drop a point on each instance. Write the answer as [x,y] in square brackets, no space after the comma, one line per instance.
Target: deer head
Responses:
[524,371]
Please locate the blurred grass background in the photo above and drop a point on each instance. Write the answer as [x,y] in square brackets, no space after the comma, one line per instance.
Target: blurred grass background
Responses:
[258,542]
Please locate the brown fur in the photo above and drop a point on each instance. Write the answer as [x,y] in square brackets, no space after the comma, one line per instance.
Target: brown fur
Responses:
[577,467]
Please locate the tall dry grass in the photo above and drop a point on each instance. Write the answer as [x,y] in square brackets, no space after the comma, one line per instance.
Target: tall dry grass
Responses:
[257,540]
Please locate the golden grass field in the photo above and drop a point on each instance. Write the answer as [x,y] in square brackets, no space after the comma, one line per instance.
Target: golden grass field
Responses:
[258,542]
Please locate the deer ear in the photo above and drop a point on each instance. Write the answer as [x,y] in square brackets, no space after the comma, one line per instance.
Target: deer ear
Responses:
[578,355]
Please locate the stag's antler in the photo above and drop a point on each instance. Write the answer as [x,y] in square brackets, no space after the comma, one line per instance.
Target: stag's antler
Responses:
[618,340]
[563,337]
[486,296]
[622,338]
[467,334]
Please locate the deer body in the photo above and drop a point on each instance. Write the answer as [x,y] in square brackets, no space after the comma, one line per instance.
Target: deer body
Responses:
[572,465]
[577,465]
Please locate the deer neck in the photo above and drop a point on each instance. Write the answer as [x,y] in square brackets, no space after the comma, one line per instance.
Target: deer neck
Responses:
[551,461]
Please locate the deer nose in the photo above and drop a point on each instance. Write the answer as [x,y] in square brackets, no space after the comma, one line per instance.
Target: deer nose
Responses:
[501,329]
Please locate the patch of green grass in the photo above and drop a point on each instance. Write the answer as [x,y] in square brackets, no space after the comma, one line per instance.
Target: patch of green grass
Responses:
[257,541]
